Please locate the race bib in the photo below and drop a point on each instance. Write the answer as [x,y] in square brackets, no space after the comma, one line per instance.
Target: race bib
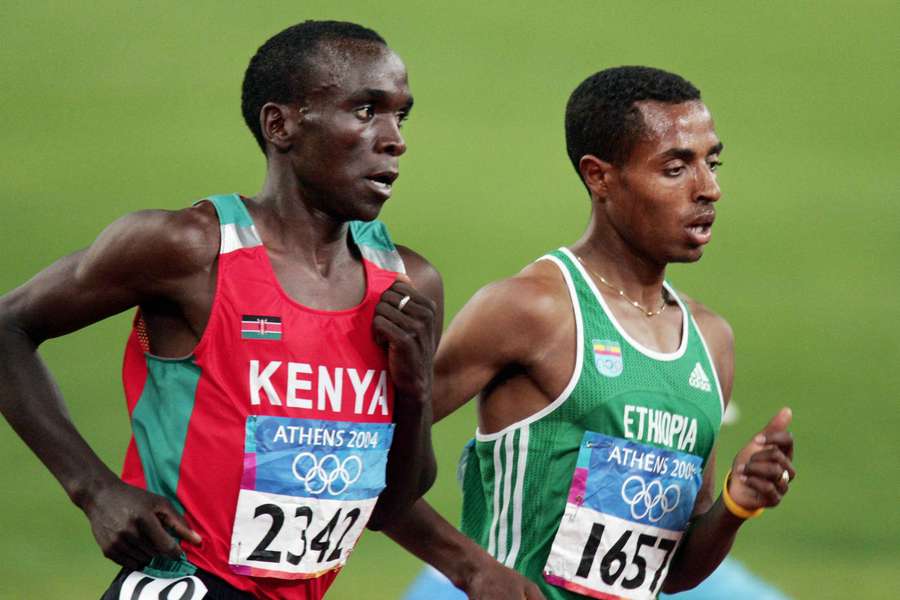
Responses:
[140,586]
[307,492]
[627,509]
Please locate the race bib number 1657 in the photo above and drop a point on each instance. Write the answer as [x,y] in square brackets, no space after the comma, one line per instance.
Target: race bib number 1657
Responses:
[308,489]
[627,509]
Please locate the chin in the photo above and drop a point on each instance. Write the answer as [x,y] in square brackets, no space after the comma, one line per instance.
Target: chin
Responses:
[689,256]
[367,212]
[361,209]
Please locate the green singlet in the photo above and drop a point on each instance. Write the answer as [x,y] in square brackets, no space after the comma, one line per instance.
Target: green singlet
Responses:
[590,496]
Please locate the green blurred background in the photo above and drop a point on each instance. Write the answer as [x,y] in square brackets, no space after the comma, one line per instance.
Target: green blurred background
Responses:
[111,107]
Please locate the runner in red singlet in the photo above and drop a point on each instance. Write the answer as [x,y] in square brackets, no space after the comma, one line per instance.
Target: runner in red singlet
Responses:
[278,377]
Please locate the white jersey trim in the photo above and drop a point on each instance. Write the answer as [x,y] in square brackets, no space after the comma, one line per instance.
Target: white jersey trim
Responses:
[648,352]
[576,372]
[234,237]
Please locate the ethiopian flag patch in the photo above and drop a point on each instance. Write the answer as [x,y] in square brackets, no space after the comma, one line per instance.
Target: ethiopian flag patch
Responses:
[608,357]
[260,327]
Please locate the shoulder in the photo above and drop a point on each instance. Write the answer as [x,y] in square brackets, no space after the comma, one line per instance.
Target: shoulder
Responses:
[425,278]
[424,275]
[715,328]
[534,301]
[150,245]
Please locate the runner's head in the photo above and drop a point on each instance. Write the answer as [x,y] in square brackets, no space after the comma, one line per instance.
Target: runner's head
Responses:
[284,70]
[645,147]
[326,99]
[603,117]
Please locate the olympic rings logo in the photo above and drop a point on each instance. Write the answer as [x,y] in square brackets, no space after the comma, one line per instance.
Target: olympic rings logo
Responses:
[650,501]
[329,473]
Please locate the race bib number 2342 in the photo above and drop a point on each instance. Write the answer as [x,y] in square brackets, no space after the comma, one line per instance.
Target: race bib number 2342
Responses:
[308,489]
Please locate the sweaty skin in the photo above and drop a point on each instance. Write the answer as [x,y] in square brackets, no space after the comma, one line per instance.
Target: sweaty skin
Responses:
[321,158]
[655,209]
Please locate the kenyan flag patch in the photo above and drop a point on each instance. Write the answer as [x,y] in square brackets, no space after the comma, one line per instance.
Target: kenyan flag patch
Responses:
[260,327]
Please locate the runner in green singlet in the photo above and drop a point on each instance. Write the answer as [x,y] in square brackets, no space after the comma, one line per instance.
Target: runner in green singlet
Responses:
[600,388]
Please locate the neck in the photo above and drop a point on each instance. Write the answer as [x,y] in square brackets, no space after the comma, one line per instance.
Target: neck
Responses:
[606,253]
[291,224]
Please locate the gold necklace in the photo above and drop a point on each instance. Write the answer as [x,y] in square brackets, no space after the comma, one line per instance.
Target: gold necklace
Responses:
[637,305]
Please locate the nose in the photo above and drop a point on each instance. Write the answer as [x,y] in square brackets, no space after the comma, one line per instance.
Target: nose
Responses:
[707,186]
[390,139]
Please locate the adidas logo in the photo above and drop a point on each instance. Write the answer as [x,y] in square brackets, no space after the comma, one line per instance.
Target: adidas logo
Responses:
[699,379]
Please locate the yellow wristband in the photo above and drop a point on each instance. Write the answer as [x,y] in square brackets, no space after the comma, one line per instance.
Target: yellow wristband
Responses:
[733,507]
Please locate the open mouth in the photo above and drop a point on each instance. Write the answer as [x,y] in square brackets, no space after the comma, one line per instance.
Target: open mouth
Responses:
[701,227]
[383,181]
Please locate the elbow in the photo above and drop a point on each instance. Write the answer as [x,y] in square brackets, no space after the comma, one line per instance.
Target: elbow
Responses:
[429,476]
[12,330]
[375,523]
[391,508]
[675,585]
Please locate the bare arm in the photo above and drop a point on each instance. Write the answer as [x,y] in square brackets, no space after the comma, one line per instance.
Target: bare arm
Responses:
[473,352]
[131,262]
[713,529]
[412,335]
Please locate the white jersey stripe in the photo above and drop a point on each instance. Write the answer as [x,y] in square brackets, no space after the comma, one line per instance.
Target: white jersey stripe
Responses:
[498,472]
[507,493]
[517,499]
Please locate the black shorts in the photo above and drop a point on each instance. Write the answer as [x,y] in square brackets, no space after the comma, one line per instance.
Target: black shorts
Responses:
[134,585]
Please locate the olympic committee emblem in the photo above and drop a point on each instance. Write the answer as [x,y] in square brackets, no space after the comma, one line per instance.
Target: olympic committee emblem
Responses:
[327,473]
[650,501]
[608,357]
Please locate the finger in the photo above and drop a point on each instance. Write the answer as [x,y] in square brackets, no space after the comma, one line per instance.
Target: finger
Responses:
[391,333]
[765,490]
[421,308]
[779,422]
[138,546]
[770,471]
[772,455]
[123,553]
[409,319]
[404,289]
[395,294]
[162,542]
[783,440]
[174,521]
[780,438]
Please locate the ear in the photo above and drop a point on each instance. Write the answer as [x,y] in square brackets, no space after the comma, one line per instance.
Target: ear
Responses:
[279,124]
[595,174]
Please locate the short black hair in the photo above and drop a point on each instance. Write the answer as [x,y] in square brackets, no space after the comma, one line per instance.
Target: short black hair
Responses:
[278,71]
[601,116]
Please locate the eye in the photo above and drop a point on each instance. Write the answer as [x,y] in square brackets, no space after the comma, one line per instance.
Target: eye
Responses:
[365,113]
[674,171]
[714,165]
[402,116]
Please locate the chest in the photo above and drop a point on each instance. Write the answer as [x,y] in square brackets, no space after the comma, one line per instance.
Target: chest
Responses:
[335,287]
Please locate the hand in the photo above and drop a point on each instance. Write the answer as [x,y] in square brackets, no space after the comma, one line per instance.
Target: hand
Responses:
[493,581]
[757,473]
[408,333]
[130,525]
